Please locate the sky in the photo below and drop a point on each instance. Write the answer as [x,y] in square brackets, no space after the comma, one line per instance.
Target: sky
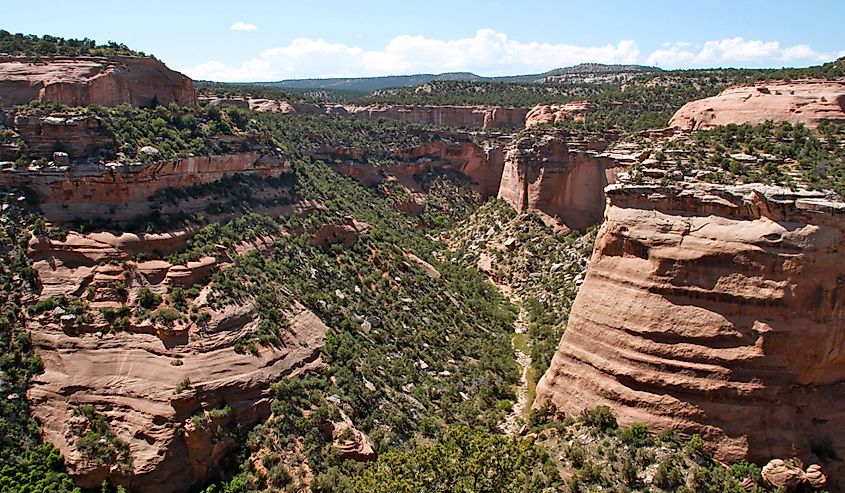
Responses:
[246,40]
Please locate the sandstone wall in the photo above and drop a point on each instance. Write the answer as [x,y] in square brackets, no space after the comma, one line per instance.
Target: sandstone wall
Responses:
[713,311]
[120,192]
[542,173]
[80,81]
[129,375]
[809,102]
[79,136]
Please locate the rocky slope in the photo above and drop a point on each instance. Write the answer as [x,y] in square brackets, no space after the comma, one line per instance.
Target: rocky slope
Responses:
[807,101]
[713,310]
[174,392]
[80,81]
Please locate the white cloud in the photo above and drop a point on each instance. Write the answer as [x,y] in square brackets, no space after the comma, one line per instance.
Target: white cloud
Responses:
[487,52]
[732,51]
[243,26]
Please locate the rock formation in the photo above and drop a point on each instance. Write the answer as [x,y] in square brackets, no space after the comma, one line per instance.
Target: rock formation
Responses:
[77,135]
[169,392]
[553,113]
[807,101]
[120,192]
[542,173]
[713,310]
[786,476]
[81,81]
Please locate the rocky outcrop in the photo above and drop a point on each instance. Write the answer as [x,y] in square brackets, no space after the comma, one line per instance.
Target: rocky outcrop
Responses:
[553,113]
[717,311]
[77,135]
[173,392]
[481,117]
[542,173]
[786,476]
[808,101]
[130,379]
[350,442]
[120,191]
[345,233]
[82,81]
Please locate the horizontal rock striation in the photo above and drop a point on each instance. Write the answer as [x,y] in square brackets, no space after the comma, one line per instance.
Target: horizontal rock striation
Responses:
[165,390]
[713,310]
[806,101]
[120,192]
[81,81]
[542,172]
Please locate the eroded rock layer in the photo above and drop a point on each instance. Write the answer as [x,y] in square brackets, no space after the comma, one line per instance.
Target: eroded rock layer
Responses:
[80,81]
[809,102]
[120,192]
[173,392]
[543,173]
[716,311]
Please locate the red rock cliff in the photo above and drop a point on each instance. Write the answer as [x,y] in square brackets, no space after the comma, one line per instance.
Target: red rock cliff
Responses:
[713,311]
[80,81]
[809,102]
[542,173]
[120,192]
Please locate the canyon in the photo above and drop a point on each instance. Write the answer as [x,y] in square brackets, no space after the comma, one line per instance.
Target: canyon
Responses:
[465,116]
[706,309]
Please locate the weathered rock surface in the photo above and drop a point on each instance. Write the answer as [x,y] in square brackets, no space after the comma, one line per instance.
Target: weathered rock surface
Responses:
[77,135]
[483,166]
[784,475]
[553,113]
[807,101]
[120,192]
[716,311]
[164,410]
[542,173]
[81,81]
[350,442]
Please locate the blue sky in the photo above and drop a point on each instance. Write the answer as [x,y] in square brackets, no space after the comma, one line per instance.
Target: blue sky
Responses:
[249,40]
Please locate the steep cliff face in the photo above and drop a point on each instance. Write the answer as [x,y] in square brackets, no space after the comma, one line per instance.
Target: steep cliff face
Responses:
[120,192]
[809,102]
[483,117]
[80,81]
[172,392]
[542,173]
[716,311]
[482,165]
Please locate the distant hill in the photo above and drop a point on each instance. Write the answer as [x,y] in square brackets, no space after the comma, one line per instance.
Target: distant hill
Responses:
[370,84]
